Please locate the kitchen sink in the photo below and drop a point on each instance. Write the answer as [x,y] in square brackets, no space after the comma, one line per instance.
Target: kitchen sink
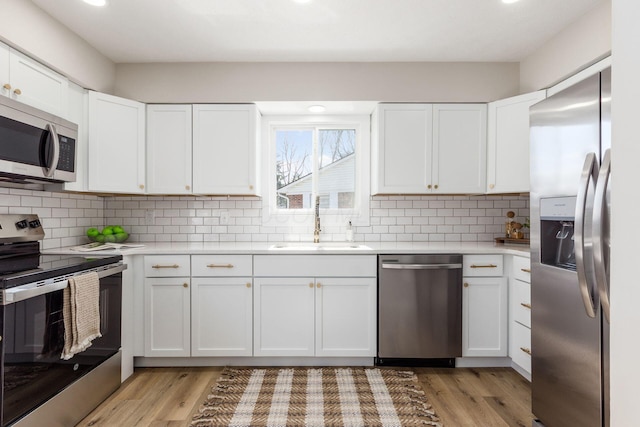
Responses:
[327,246]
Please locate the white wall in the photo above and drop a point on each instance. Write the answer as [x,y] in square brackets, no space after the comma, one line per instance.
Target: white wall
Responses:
[305,81]
[29,29]
[625,288]
[579,45]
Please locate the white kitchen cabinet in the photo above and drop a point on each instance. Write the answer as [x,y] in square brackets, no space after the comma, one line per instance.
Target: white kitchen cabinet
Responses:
[284,316]
[484,308]
[221,305]
[429,149]
[345,323]
[116,144]
[329,312]
[402,148]
[167,317]
[221,316]
[167,312]
[30,82]
[508,143]
[520,314]
[225,149]
[168,149]
[78,113]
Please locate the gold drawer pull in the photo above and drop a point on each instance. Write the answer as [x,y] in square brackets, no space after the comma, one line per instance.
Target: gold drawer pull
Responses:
[319,285]
[220,265]
[484,266]
[311,285]
[185,285]
[165,266]
[466,285]
[526,350]
[525,305]
[526,270]
[248,285]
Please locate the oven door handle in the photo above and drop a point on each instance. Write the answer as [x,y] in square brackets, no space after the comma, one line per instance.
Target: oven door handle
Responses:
[20,293]
[112,270]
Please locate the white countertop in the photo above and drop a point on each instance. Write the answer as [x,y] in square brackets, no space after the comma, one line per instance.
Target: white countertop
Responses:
[262,248]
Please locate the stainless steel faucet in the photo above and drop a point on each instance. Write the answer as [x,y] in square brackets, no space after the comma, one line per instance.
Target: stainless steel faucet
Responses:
[316,230]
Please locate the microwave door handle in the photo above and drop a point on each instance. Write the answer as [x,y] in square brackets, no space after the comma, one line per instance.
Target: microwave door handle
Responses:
[589,172]
[599,218]
[50,169]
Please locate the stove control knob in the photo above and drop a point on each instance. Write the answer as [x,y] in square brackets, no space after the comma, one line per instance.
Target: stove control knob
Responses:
[21,225]
[35,223]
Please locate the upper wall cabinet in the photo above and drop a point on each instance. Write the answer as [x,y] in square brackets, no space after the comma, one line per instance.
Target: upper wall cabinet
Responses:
[25,80]
[116,144]
[508,143]
[225,149]
[429,149]
[169,161]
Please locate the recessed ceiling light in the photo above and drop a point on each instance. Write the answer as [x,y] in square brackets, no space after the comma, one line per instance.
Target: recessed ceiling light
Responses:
[510,1]
[317,108]
[96,2]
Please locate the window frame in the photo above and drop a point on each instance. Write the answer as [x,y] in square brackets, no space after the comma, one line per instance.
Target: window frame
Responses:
[359,215]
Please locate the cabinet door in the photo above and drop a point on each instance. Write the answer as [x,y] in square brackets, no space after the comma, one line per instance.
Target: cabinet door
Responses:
[221,317]
[169,149]
[167,317]
[484,316]
[78,113]
[225,149]
[346,317]
[5,84]
[508,143]
[36,85]
[459,148]
[116,144]
[402,148]
[283,316]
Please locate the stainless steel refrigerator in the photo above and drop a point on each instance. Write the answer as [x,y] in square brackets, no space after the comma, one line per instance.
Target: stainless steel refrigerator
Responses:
[570,202]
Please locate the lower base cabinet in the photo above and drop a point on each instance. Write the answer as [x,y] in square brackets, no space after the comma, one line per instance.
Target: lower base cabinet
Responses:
[221,316]
[167,317]
[484,317]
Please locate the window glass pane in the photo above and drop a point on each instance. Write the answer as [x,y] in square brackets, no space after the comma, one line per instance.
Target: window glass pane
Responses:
[294,151]
[337,168]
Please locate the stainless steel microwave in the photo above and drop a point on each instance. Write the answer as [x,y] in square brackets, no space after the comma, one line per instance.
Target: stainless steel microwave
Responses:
[35,146]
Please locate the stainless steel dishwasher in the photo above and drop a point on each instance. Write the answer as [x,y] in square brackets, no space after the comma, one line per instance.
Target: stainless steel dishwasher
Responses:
[419,309]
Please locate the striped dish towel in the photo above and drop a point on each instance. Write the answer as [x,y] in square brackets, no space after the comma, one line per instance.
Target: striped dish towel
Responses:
[81,313]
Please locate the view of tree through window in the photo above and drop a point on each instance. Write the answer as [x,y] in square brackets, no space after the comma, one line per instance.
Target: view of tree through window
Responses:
[332,178]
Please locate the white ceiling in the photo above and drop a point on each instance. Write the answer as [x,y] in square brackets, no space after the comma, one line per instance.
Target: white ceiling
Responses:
[130,31]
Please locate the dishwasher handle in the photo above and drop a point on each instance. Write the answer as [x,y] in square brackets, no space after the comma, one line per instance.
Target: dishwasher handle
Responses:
[398,266]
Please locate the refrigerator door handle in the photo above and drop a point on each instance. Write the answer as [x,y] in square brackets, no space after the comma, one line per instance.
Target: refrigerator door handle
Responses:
[599,217]
[589,173]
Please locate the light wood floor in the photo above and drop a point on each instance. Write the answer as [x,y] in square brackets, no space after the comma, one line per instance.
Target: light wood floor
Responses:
[167,397]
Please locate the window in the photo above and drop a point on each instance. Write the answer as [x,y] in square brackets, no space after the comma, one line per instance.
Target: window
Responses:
[329,159]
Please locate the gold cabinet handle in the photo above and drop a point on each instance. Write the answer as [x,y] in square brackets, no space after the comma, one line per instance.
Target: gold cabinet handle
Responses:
[141,186]
[165,266]
[220,265]
[17,91]
[491,186]
[319,285]
[185,285]
[7,86]
[311,285]
[484,266]
[435,186]
[526,350]
[429,186]
[251,187]
[526,270]
[187,187]
[525,305]
[466,285]
[248,285]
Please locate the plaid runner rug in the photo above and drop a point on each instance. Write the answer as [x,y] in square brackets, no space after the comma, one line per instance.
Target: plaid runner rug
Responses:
[319,397]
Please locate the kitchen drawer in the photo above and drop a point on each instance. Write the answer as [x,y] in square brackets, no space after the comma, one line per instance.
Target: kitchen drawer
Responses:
[522,268]
[221,265]
[167,266]
[522,346]
[482,265]
[522,302]
[315,265]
